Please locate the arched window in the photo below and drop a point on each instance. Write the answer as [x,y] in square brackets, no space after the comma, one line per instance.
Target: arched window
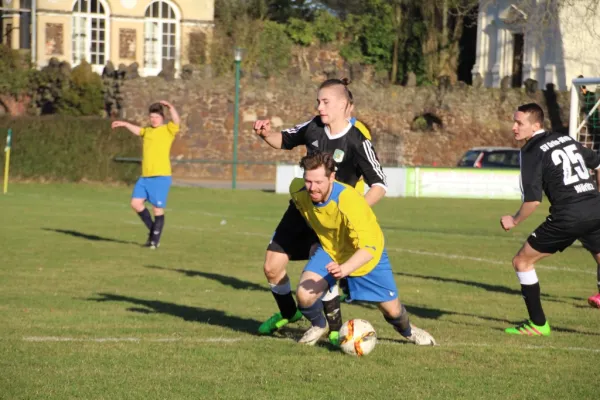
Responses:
[161,35]
[90,39]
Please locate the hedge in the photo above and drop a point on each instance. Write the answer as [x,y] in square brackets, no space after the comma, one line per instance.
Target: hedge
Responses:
[69,149]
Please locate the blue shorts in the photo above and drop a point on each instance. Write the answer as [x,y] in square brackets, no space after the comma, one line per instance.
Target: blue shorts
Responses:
[155,189]
[377,286]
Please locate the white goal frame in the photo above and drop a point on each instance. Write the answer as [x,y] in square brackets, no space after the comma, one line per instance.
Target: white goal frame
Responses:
[576,123]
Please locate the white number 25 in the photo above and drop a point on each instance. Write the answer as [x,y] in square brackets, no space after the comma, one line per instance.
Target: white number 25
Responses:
[570,159]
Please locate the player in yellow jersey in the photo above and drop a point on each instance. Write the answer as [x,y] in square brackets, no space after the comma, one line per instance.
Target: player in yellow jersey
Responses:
[351,245]
[154,184]
[333,131]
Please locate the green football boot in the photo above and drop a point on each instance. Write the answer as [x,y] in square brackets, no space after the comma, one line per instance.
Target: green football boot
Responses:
[334,338]
[277,321]
[528,328]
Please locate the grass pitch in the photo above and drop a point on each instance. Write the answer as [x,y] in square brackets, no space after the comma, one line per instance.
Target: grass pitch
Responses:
[86,313]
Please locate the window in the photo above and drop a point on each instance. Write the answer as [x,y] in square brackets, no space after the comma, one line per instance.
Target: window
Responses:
[161,30]
[469,158]
[90,32]
[518,56]
[505,159]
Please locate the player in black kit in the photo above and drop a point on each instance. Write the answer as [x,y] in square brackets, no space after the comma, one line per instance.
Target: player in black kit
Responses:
[558,166]
[332,131]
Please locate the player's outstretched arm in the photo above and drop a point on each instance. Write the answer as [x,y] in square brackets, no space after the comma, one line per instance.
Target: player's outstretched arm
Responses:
[262,128]
[174,114]
[131,127]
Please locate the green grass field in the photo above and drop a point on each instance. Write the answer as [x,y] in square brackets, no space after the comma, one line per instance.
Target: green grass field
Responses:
[86,313]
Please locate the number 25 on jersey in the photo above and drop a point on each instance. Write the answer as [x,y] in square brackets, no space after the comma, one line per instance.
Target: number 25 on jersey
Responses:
[570,160]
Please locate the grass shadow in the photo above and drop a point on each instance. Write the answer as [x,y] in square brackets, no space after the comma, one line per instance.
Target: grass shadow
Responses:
[86,236]
[430,313]
[485,286]
[187,313]
[235,283]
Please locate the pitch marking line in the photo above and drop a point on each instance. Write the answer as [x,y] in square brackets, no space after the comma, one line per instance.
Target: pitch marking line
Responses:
[385,342]
[485,260]
[401,250]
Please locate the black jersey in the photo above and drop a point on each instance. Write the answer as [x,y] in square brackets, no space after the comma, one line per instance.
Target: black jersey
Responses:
[352,151]
[560,166]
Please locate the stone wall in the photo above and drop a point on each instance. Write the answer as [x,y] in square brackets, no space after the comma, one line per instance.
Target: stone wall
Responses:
[410,125]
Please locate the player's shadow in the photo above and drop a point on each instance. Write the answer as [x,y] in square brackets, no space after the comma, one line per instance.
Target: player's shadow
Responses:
[223,279]
[431,313]
[485,286]
[94,238]
[195,314]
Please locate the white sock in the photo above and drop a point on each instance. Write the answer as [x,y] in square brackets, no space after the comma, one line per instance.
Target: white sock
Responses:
[527,277]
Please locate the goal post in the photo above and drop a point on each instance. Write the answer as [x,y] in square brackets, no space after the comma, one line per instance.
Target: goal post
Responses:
[584,112]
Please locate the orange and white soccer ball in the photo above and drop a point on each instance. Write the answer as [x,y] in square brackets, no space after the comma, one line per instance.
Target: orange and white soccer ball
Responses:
[357,337]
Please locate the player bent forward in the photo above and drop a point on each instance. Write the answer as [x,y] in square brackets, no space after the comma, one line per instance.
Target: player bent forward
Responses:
[351,245]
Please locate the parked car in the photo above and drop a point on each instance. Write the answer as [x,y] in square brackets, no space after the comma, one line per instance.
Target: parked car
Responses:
[491,157]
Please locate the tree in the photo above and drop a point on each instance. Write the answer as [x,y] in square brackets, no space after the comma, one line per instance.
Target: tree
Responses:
[15,81]
[444,22]
[283,10]
[397,25]
[433,25]
[16,72]
[370,35]
[343,8]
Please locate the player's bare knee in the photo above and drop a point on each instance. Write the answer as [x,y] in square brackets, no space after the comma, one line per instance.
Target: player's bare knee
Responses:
[274,266]
[274,272]
[304,298]
[521,264]
[308,292]
[137,205]
[390,309]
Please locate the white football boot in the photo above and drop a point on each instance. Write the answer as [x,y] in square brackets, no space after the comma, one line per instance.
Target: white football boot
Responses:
[421,337]
[312,336]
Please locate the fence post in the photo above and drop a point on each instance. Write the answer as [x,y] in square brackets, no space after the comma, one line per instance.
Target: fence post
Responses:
[7,159]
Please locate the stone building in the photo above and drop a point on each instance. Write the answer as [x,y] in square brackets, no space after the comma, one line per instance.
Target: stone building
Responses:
[151,33]
[551,42]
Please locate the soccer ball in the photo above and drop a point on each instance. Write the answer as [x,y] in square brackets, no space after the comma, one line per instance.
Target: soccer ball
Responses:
[357,337]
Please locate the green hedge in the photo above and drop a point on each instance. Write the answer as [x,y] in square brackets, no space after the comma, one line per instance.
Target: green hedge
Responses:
[69,149]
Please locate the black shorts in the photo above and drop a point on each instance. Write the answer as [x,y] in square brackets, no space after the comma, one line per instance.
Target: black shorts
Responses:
[556,235]
[293,236]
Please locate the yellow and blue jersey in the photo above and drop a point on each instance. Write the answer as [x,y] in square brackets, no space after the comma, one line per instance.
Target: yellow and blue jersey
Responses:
[344,223]
[156,158]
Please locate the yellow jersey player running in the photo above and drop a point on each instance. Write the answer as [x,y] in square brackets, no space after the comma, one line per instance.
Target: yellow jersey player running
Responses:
[352,245]
[154,184]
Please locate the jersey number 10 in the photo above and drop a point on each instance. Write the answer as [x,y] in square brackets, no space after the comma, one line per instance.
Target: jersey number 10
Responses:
[570,159]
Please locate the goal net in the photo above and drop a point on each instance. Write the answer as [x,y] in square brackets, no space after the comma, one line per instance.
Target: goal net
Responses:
[584,113]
